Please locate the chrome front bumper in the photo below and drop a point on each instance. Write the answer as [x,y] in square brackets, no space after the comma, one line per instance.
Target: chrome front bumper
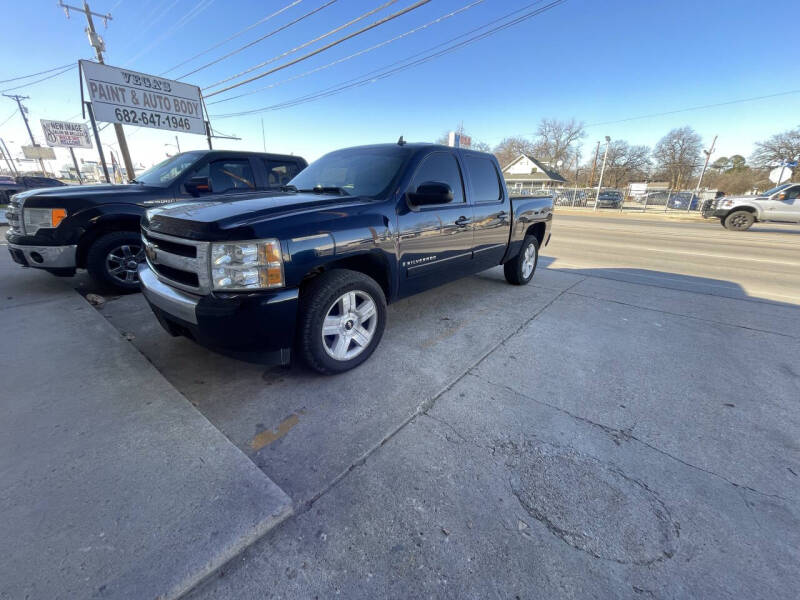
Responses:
[48,257]
[168,299]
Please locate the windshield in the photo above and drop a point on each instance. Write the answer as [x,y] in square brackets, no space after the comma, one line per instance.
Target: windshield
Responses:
[164,173]
[354,171]
[775,190]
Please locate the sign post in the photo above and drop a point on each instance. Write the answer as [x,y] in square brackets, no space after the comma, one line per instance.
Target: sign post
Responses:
[90,110]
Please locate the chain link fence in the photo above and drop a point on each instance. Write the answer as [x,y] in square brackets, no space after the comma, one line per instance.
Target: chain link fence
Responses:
[625,200]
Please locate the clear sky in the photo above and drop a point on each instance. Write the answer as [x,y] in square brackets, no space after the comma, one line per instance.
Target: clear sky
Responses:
[598,61]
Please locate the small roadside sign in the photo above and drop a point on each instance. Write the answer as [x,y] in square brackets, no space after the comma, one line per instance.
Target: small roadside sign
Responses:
[133,98]
[63,134]
[38,152]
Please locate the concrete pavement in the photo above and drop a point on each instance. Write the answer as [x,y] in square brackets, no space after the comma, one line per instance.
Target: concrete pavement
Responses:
[616,443]
[622,427]
[113,485]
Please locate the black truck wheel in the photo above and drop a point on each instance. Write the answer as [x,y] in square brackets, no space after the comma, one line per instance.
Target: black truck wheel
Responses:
[342,317]
[114,258]
[739,220]
[520,269]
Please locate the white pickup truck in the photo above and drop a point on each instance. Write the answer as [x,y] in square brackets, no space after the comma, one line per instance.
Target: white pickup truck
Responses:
[781,204]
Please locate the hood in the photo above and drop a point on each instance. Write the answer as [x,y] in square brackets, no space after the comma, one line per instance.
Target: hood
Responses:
[99,193]
[210,220]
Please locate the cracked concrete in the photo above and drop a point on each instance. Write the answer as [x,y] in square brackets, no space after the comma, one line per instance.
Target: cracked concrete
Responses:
[573,457]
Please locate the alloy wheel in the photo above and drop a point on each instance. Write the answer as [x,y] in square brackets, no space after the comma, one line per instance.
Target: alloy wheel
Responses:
[123,261]
[349,325]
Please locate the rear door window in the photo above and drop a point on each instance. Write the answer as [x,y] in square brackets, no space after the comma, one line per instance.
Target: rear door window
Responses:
[484,179]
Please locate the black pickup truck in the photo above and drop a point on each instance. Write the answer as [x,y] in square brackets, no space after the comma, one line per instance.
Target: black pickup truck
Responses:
[313,268]
[96,227]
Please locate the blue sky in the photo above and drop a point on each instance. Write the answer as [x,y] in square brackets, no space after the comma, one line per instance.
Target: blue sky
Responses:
[597,61]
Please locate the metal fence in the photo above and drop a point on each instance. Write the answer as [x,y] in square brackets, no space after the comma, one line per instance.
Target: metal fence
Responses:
[624,200]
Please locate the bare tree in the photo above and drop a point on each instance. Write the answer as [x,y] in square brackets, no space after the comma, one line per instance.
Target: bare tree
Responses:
[626,163]
[511,147]
[557,141]
[677,155]
[780,147]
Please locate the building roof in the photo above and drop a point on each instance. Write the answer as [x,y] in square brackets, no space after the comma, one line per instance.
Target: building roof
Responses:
[542,173]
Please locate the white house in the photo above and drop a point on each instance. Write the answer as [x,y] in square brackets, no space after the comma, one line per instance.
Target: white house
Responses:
[525,174]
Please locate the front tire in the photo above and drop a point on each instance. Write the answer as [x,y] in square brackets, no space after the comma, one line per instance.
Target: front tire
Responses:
[520,269]
[113,260]
[342,318]
[739,220]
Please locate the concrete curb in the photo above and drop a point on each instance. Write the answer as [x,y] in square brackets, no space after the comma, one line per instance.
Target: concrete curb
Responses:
[115,486]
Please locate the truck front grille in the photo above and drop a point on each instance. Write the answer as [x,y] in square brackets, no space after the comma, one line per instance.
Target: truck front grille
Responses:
[181,263]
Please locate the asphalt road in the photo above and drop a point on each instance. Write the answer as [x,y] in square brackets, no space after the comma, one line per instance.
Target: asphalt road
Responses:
[699,256]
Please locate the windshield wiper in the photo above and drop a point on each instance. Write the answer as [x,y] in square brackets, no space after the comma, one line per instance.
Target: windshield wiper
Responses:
[327,189]
[288,188]
[135,181]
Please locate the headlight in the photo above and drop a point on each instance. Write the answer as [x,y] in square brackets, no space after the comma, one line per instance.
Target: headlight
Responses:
[725,204]
[34,219]
[246,265]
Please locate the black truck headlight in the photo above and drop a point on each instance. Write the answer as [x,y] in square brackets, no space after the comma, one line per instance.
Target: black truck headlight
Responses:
[246,265]
[34,219]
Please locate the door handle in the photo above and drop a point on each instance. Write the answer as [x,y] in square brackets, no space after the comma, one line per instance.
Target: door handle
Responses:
[501,214]
[462,221]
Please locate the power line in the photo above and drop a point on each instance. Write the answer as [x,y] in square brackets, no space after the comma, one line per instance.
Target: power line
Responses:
[17,87]
[35,74]
[235,35]
[9,118]
[354,55]
[305,44]
[324,48]
[387,70]
[699,107]
[193,13]
[261,39]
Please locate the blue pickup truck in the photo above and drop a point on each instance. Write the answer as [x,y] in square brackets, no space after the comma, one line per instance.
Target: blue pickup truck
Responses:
[312,268]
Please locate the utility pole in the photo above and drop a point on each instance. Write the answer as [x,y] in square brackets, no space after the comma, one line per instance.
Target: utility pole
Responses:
[23,112]
[703,172]
[177,143]
[8,156]
[602,171]
[10,168]
[594,164]
[96,42]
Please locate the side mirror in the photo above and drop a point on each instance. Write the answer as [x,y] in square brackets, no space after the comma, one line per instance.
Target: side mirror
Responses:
[431,192]
[198,185]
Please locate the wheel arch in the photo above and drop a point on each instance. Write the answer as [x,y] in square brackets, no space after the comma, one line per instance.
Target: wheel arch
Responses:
[101,228]
[370,264]
[538,231]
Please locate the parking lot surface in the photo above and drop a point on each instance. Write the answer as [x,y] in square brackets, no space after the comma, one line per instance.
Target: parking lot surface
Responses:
[625,426]
[613,429]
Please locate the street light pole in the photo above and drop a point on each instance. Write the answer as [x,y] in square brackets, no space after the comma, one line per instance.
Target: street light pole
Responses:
[602,171]
[703,172]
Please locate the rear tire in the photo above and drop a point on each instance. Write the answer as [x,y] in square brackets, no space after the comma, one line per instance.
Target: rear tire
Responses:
[113,258]
[520,269]
[739,220]
[342,318]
